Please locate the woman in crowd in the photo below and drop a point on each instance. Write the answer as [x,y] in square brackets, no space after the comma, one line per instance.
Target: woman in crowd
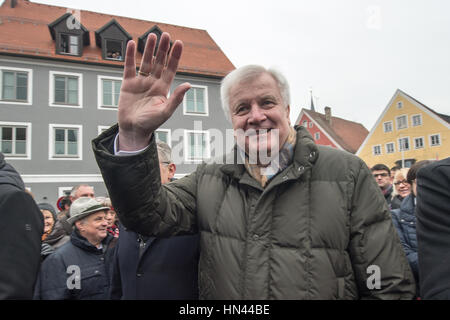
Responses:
[402,188]
[404,220]
[54,235]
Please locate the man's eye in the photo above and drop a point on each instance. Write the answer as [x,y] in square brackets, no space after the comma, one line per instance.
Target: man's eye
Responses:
[241,109]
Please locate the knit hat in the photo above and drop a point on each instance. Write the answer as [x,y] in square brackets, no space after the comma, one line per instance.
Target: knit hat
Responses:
[48,207]
[84,206]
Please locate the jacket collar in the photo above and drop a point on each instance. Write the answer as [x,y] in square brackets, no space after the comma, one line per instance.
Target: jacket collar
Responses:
[81,242]
[305,155]
[408,206]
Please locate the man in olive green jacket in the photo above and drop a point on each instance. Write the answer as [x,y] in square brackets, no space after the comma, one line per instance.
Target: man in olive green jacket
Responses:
[304,222]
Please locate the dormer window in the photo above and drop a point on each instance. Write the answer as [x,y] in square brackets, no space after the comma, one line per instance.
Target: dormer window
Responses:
[69,44]
[114,50]
[112,38]
[69,40]
[143,39]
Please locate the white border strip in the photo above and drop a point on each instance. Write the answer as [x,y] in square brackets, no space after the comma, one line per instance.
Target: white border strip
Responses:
[57,178]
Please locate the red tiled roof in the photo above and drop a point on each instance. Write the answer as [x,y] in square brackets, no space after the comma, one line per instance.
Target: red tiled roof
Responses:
[24,31]
[348,134]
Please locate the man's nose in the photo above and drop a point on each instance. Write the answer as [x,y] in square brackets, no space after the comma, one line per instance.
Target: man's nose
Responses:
[256,114]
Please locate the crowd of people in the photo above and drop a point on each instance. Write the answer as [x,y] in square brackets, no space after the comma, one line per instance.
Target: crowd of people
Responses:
[318,225]
[402,202]
[81,256]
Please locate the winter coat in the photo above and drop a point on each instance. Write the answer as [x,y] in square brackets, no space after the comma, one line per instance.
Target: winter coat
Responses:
[388,195]
[57,278]
[21,228]
[54,240]
[405,222]
[433,229]
[318,230]
[155,268]
[57,236]
[396,202]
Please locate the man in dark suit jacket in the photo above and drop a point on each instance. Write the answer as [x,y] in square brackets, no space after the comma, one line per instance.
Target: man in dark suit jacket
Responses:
[151,268]
[21,228]
[433,229]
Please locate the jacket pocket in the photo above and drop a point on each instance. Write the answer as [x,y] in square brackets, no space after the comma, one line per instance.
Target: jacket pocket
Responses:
[93,282]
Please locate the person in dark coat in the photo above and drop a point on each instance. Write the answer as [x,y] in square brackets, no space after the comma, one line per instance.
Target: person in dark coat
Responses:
[382,176]
[151,268]
[402,188]
[433,229]
[54,234]
[81,190]
[81,269]
[21,228]
[404,220]
[279,217]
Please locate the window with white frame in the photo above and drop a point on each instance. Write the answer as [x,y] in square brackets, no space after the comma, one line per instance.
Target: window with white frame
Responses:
[377,150]
[435,140]
[387,126]
[317,135]
[403,144]
[196,145]
[402,122]
[65,141]
[100,129]
[15,140]
[399,105]
[196,101]
[109,91]
[65,89]
[69,44]
[311,124]
[305,123]
[114,49]
[418,143]
[163,135]
[416,120]
[64,191]
[15,85]
[390,147]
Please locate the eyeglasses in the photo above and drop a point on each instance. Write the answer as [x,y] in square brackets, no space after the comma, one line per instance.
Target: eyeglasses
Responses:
[400,182]
[384,175]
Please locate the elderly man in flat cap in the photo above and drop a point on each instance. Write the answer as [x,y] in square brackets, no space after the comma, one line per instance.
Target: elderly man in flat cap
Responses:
[81,268]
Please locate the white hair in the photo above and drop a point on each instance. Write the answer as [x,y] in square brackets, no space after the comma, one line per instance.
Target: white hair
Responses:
[247,73]
[164,151]
[73,192]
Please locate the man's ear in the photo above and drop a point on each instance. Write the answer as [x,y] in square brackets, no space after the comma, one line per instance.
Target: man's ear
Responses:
[172,168]
[79,224]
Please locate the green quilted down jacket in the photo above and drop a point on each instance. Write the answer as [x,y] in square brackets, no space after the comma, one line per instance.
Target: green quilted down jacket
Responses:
[321,228]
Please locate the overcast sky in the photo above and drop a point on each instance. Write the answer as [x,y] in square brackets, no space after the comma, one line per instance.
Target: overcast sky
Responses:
[354,54]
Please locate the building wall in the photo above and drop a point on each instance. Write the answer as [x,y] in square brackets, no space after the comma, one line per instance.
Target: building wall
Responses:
[45,176]
[313,129]
[429,126]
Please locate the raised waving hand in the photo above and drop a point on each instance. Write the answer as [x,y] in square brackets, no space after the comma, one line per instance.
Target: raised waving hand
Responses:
[143,103]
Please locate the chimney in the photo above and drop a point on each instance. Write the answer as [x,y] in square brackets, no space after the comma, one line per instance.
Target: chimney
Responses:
[328,114]
[13,3]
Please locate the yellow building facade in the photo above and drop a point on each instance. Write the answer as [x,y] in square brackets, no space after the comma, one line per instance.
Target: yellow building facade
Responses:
[406,132]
